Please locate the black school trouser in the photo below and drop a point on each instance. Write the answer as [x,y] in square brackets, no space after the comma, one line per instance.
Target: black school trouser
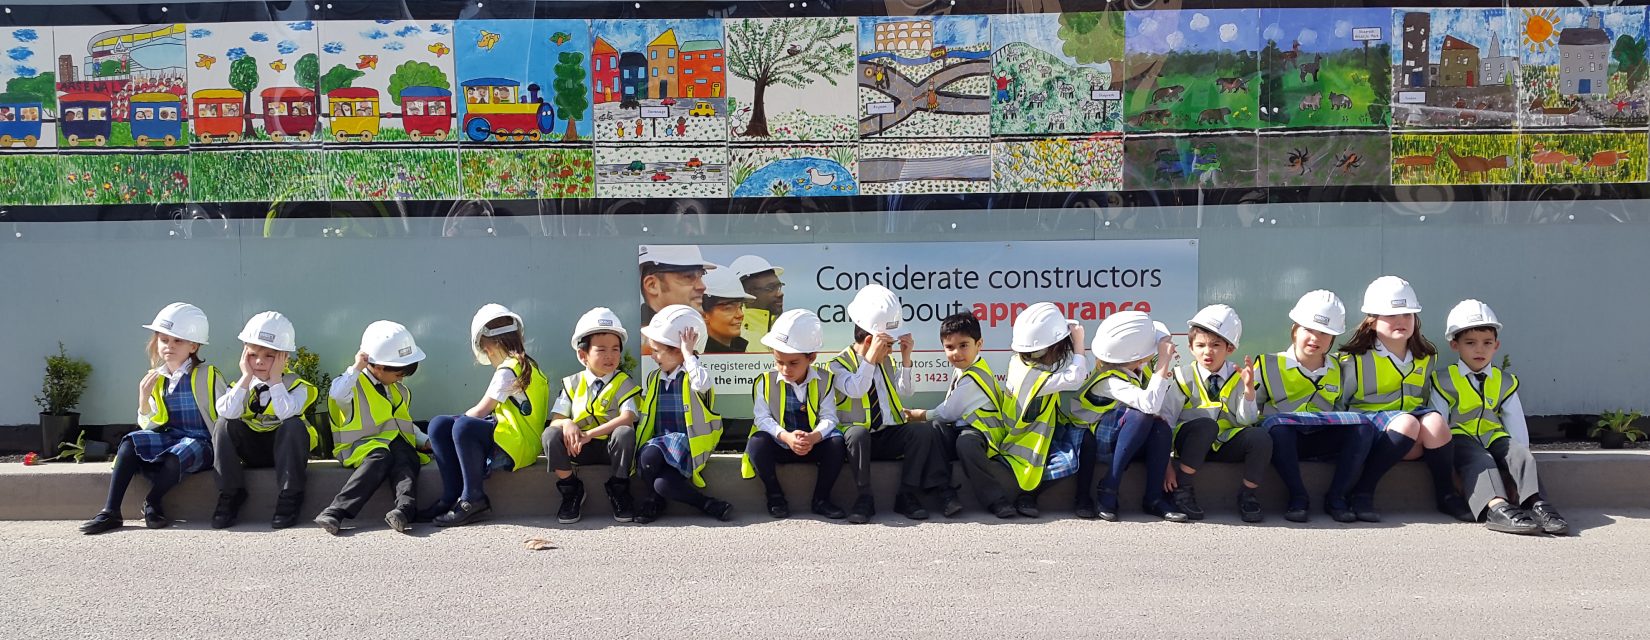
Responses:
[236,446]
[1250,445]
[1481,468]
[993,480]
[397,464]
[916,445]
[766,453]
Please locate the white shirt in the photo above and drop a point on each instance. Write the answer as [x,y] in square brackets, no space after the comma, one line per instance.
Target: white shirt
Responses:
[172,380]
[285,402]
[857,383]
[1175,401]
[1068,378]
[1290,361]
[1512,411]
[502,384]
[1402,363]
[1149,400]
[564,402]
[698,379]
[766,421]
[342,391]
[962,399]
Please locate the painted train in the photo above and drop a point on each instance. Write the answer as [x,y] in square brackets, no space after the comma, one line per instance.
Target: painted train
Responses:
[494,108]
[354,112]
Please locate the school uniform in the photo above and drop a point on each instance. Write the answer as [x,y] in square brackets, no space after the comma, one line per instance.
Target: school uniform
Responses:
[1017,457]
[1212,414]
[468,449]
[1383,386]
[678,429]
[373,433]
[972,408]
[1130,426]
[271,430]
[779,405]
[1303,410]
[174,437]
[591,401]
[1489,434]
[872,417]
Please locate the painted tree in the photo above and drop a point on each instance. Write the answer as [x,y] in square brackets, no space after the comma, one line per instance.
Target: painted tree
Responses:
[42,87]
[308,71]
[1629,56]
[572,96]
[338,77]
[415,74]
[243,76]
[1095,36]
[788,52]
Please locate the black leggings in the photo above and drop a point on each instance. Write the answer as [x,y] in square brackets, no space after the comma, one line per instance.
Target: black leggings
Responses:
[163,474]
[659,479]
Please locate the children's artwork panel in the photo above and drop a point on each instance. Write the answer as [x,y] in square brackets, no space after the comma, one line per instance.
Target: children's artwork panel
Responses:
[794,171]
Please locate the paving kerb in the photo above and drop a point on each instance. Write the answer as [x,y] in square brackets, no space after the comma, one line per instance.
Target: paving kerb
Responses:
[1583,479]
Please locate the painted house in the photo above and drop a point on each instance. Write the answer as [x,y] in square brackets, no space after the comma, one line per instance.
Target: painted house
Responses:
[702,69]
[604,72]
[1417,34]
[1458,63]
[633,75]
[662,65]
[1584,59]
[1498,69]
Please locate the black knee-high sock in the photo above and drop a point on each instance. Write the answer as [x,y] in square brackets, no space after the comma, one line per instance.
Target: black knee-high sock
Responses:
[1441,462]
[1387,452]
[127,464]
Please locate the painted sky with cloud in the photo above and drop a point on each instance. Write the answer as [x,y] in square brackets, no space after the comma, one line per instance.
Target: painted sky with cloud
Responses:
[1192,30]
[1616,22]
[1322,30]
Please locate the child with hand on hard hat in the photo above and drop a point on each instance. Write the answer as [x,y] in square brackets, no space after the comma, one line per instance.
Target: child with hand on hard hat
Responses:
[869,386]
[177,410]
[1487,422]
[679,427]
[1301,397]
[1213,406]
[597,403]
[270,427]
[794,417]
[1390,363]
[972,405]
[1128,408]
[372,427]
[502,431]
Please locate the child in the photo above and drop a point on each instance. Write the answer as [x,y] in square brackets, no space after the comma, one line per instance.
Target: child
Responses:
[794,418]
[598,403]
[1301,398]
[177,409]
[1130,409]
[372,427]
[973,404]
[271,430]
[1213,402]
[679,427]
[868,387]
[1391,365]
[1487,421]
[503,429]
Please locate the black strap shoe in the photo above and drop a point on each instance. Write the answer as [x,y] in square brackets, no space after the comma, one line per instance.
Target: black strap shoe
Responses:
[1167,511]
[1363,508]
[1003,509]
[649,510]
[1084,508]
[722,510]
[154,518]
[1298,509]
[464,513]
[828,509]
[430,513]
[1107,505]
[286,510]
[1026,505]
[864,507]
[1185,501]
[1455,506]
[618,494]
[1508,519]
[572,500]
[779,507]
[1547,516]
[908,505]
[102,522]
[951,505]
[228,511]
[1249,506]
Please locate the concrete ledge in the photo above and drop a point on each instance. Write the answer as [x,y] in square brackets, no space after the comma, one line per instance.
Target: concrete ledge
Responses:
[1578,479]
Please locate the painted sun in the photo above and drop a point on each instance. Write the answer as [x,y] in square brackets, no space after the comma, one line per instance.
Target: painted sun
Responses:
[1540,25]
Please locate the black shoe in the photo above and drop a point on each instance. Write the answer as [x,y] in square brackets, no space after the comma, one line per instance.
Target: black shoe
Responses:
[650,510]
[1185,501]
[950,504]
[907,504]
[103,521]
[1509,519]
[329,522]
[1298,509]
[572,500]
[618,495]
[1249,506]
[154,518]
[228,511]
[1003,509]
[779,507]
[1107,505]
[464,513]
[1167,511]
[398,520]
[1085,509]
[430,513]
[1547,516]
[864,507]
[286,510]
[1455,506]
[1363,508]
[1026,505]
[828,509]
[720,509]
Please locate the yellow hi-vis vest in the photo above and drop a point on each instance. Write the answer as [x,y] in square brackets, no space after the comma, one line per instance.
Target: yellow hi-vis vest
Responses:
[704,425]
[856,412]
[1200,405]
[757,322]
[1471,413]
[1084,411]
[1378,386]
[205,383]
[1287,389]
[591,412]
[373,421]
[769,389]
[520,429]
[266,419]
[989,418]
[1026,443]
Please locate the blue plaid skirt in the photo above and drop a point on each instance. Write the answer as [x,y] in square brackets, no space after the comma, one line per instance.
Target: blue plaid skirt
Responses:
[1382,418]
[194,450]
[674,446]
[1309,422]
[1064,452]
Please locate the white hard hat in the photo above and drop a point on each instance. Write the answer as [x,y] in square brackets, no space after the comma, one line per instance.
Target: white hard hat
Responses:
[796,331]
[1470,314]
[181,320]
[1161,330]
[1220,319]
[478,327]
[746,266]
[1127,336]
[672,255]
[1390,296]
[671,322]
[390,344]
[1320,310]
[270,329]
[1039,327]
[724,283]
[598,320]
[877,310]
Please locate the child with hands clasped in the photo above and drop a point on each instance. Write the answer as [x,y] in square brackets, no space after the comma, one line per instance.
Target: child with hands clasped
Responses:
[373,430]
[1131,408]
[177,410]
[1213,404]
[679,426]
[269,428]
[597,403]
[794,418]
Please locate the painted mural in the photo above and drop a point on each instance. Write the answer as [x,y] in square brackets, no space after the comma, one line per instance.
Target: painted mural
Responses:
[29,170]
[1325,68]
[121,86]
[669,85]
[1582,66]
[524,80]
[1322,159]
[1094,163]
[1057,73]
[1453,68]
[925,77]
[387,80]
[1204,161]
[1458,158]
[1192,70]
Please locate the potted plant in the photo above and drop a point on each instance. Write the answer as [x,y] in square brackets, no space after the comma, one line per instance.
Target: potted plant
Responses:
[307,364]
[60,392]
[82,451]
[1615,429]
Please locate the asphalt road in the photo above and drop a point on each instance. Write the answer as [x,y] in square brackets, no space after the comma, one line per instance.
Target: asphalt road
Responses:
[684,578]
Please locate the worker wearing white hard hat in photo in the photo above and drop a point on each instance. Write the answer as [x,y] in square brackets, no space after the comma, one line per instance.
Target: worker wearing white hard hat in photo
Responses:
[177,409]
[1487,421]
[871,387]
[795,417]
[761,280]
[373,430]
[1302,400]
[725,308]
[1389,366]
[1127,409]
[266,423]
[679,426]
[596,404]
[1212,406]
[671,274]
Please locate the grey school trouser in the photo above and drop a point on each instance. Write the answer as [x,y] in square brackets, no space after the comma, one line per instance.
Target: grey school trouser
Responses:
[619,451]
[1481,469]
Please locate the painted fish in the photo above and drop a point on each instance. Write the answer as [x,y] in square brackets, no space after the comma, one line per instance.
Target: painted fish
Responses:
[487,40]
[367,62]
[439,49]
[278,65]
[205,61]
[560,38]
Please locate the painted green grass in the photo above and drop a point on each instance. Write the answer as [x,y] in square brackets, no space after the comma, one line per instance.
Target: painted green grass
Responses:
[125,178]
[32,178]
[1201,93]
[385,134]
[525,174]
[1342,73]
[393,174]
[120,135]
[257,175]
[1499,149]
[1583,152]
